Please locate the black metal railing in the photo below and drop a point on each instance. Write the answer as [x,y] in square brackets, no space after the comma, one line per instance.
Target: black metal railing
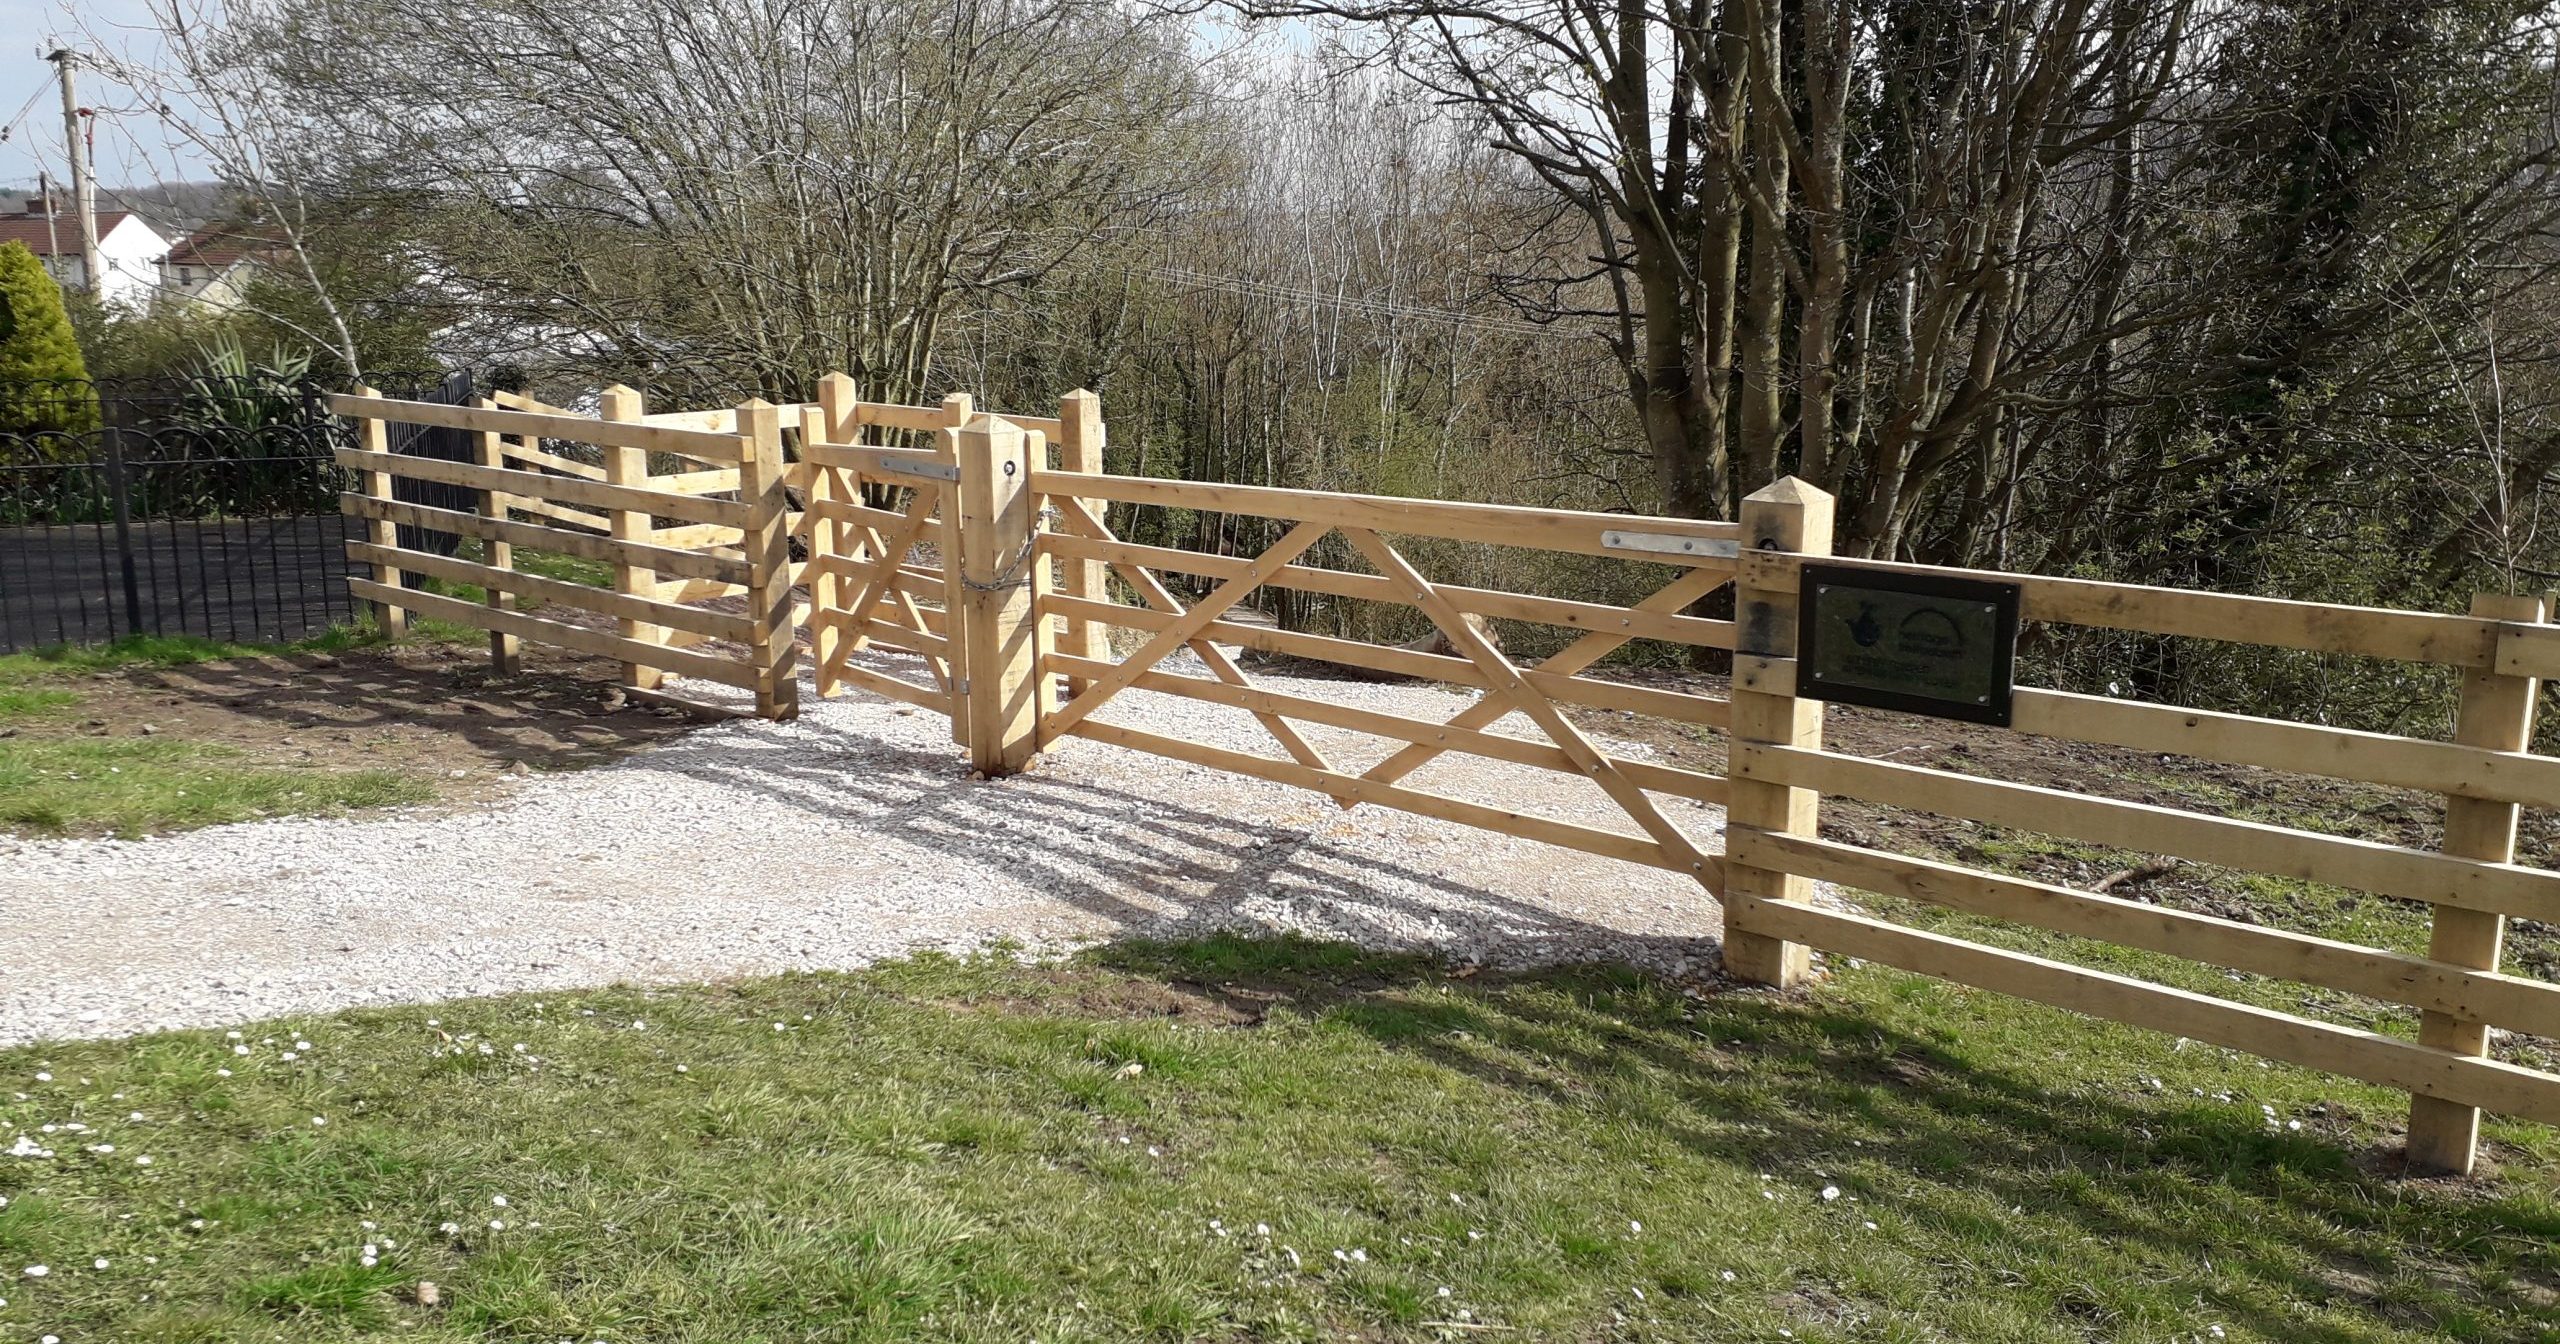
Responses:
[188,509]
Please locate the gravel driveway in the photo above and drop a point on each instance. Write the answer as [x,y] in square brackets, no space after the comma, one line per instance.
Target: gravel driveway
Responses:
[848,836]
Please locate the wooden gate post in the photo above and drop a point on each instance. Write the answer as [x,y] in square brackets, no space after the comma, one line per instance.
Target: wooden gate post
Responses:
[1080,443]
[373,435]
[504,653]
[958,409]
[767,547]
[630,467]
[1788,515]
[2497,713]
[999,689]
[832,422]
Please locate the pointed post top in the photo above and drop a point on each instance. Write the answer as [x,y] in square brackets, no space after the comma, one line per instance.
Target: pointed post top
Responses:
[1789,490]
[1787,514]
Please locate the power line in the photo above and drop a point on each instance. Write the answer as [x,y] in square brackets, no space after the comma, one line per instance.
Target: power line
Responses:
[10,127]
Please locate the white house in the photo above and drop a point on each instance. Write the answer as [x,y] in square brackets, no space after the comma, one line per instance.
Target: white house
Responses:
[128,249]
[212,267]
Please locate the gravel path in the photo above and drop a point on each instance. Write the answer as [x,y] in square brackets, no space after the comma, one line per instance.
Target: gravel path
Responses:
[848,836]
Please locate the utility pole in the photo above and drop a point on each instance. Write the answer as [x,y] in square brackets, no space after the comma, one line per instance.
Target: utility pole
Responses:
[84,186]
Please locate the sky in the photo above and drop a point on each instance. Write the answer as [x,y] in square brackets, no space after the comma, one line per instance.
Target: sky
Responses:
[35,28]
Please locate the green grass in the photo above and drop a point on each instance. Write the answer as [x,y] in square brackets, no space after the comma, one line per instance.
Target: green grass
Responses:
[565,568]
[144,786]
[69,660]
[130,786]
[27,702]
[947,1151]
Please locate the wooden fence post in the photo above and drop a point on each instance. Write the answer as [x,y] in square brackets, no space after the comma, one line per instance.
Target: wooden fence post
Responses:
[2497,713]
[957,410]
[767,545]
[833,421]
[1787,515]
[504,655]
[1080,444]
[374,436]
[630,466]
[998,526]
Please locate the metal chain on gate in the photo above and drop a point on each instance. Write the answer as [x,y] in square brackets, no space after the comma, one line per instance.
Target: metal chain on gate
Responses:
[1017,574]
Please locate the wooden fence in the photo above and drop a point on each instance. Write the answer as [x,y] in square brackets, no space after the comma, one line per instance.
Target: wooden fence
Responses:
[981,545]
[2472,884]
[681,512]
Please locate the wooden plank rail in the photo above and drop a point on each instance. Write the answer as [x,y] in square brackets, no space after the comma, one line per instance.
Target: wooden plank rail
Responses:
[1690,784]
[565,489]
[904,417]
[720,448]
[2386,1060]
[2253,846]
[603,601]
[1565,530]
[726,671]
[549,461]
[881,683]
[1588,839]
[598,523]
[712,482]
[875,461]
[2317,627]
[1569,614]
[2514,1002]
[1592,694]
[689,564]
[2270,744]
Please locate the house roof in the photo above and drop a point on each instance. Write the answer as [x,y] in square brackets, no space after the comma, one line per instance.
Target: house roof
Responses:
[221,245]
[61,238]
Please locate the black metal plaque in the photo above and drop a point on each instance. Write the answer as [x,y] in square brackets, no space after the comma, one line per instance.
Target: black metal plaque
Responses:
[1920,643]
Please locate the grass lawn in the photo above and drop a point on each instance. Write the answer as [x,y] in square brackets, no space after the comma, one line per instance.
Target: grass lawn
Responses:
[1234,1141]
[113,780]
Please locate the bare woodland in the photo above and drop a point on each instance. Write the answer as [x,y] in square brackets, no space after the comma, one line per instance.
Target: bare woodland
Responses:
[2249,295]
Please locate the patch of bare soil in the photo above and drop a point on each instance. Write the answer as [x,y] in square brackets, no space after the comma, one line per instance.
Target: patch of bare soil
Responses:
[427,709]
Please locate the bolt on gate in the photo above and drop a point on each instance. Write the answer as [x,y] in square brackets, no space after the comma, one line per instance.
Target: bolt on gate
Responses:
[955,537]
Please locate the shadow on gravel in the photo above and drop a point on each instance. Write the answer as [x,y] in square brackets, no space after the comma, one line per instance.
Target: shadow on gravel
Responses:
[1151,867]
[1786,1083]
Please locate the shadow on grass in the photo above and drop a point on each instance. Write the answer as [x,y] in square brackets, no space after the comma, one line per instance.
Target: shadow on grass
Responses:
[1769,1082]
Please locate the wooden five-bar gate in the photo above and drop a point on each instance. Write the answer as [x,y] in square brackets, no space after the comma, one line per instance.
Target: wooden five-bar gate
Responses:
[982,546]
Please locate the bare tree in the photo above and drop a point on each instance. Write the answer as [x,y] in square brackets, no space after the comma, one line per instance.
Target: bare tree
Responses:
[744,192]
